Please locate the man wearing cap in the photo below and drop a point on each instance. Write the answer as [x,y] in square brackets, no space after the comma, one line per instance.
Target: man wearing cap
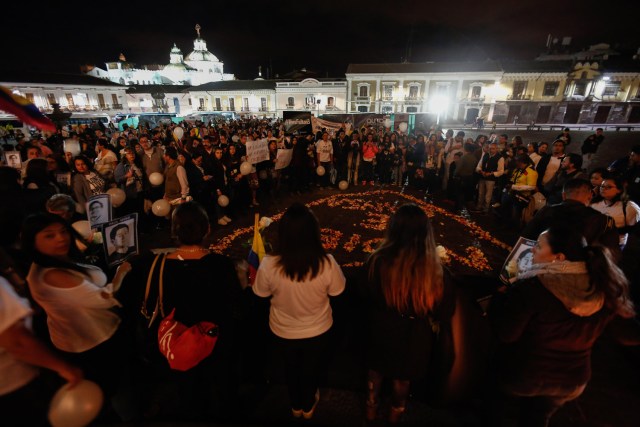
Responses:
[590,146]
[565,136]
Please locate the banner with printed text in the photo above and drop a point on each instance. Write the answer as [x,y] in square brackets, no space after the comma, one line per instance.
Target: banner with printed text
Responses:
[297,121]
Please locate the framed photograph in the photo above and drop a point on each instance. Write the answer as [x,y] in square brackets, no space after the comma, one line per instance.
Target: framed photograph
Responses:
[520,259]
[12,159]
[99,209]
[120,239]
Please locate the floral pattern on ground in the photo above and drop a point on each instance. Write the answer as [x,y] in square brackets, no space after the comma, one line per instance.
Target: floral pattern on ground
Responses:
[352,226]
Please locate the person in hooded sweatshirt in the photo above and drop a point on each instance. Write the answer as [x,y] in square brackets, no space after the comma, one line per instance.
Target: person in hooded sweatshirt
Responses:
[551,317]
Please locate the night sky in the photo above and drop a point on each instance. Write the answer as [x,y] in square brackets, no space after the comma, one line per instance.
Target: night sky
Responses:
[323,36]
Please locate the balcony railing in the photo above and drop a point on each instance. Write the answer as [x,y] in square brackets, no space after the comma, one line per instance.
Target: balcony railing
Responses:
[474,99]
[412,99]
[290,106]
[363,98]
[387,98]
[518,97]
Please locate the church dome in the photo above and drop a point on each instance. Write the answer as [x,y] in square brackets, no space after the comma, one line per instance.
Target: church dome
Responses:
[200,52]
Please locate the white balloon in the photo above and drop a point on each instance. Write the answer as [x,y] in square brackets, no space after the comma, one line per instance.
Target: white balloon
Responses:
[77,406]
[156,178]
[235,138]
[387,123]
[245,168]
[263,174]
[178,132]
[71,146]
[403,126]
[343,185]
[118,196]
[320,170]
[83,228]
[161,207]
[223,200]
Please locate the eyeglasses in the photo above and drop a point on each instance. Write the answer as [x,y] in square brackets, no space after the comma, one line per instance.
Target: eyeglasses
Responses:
[607,187]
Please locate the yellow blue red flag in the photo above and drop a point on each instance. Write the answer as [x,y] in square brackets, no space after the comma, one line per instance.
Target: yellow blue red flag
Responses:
[257,252]
[24,110]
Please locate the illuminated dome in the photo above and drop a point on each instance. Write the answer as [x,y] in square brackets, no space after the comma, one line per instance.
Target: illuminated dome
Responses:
[200,52]
[177,63]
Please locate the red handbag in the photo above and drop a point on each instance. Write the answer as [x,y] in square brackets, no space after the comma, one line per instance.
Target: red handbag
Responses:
[184,347]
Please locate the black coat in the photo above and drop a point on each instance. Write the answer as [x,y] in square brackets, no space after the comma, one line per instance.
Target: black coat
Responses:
[543,340]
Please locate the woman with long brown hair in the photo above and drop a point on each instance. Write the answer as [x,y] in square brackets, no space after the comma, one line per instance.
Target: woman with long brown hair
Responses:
[408,295]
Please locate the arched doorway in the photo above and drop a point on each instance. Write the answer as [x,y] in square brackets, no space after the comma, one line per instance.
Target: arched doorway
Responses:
[176,105]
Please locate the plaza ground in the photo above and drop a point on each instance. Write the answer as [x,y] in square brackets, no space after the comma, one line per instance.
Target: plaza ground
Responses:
[611,399]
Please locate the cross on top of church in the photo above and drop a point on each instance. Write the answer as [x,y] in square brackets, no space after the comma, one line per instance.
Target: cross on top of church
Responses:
[198,27]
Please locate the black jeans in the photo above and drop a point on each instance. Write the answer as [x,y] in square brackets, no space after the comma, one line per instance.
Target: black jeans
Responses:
[305,362]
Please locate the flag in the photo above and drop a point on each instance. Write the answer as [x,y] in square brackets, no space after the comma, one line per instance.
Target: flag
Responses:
[24,110]
[256,253]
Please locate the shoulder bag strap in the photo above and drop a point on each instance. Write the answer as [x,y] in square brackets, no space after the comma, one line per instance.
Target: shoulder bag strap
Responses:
[143,309]
[161,286]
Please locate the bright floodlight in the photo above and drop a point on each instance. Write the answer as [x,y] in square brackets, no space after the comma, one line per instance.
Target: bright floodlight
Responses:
[439,103]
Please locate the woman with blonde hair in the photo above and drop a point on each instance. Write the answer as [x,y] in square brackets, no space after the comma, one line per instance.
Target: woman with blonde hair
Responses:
[409,294]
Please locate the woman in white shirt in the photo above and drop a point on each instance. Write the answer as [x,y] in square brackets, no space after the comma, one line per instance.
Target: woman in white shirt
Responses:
[76,298]
[299,278]
[625,213]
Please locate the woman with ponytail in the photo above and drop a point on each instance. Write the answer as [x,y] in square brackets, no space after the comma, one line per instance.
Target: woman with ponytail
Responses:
[409,296]
[551,318]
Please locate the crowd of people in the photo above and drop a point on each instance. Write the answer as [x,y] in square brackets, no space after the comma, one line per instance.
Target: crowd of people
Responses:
[90,322]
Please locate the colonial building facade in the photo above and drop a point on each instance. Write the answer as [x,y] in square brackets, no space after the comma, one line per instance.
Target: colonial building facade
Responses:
[271,97]
[74,93]
[571,92]
[592,87]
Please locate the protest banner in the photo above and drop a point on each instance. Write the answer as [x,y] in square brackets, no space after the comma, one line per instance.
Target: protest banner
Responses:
[283,158]
[257,151]
[297,121]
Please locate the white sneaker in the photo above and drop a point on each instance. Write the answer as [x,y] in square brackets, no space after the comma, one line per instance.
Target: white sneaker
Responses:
[221,221]
[226,218]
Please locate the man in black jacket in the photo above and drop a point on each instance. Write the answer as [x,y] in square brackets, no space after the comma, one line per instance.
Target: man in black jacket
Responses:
[590,146]
[574,212]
